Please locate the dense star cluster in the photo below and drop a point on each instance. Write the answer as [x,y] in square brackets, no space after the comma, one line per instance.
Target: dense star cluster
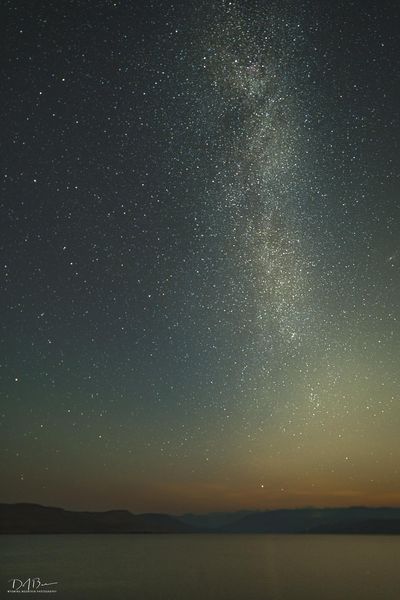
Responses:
[199,254]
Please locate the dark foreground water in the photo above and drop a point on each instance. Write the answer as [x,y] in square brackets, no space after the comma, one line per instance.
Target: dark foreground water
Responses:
[202,567]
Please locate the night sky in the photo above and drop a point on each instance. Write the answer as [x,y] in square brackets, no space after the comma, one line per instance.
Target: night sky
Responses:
[200,254]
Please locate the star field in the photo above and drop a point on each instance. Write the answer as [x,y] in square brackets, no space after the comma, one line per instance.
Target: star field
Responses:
[199,254]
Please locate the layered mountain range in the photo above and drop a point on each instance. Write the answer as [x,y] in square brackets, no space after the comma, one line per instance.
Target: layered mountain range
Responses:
[34,518]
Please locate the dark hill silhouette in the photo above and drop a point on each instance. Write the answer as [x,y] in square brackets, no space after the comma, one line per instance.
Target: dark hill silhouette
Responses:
[371,526]
[33,518]
[214,520]
[314,520]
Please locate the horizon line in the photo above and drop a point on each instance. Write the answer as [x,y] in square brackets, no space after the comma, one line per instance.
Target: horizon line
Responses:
[239,510]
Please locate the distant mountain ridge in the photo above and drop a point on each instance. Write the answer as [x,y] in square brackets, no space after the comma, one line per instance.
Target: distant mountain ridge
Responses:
[34,518]
[214,520]
[319,520]
[25,518]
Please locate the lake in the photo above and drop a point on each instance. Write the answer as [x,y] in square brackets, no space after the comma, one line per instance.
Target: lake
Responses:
[206,567]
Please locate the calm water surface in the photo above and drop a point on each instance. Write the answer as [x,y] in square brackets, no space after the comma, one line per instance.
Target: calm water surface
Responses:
[199,567]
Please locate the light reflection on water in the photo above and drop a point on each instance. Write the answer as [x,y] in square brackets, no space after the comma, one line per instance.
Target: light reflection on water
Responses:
[206,567]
